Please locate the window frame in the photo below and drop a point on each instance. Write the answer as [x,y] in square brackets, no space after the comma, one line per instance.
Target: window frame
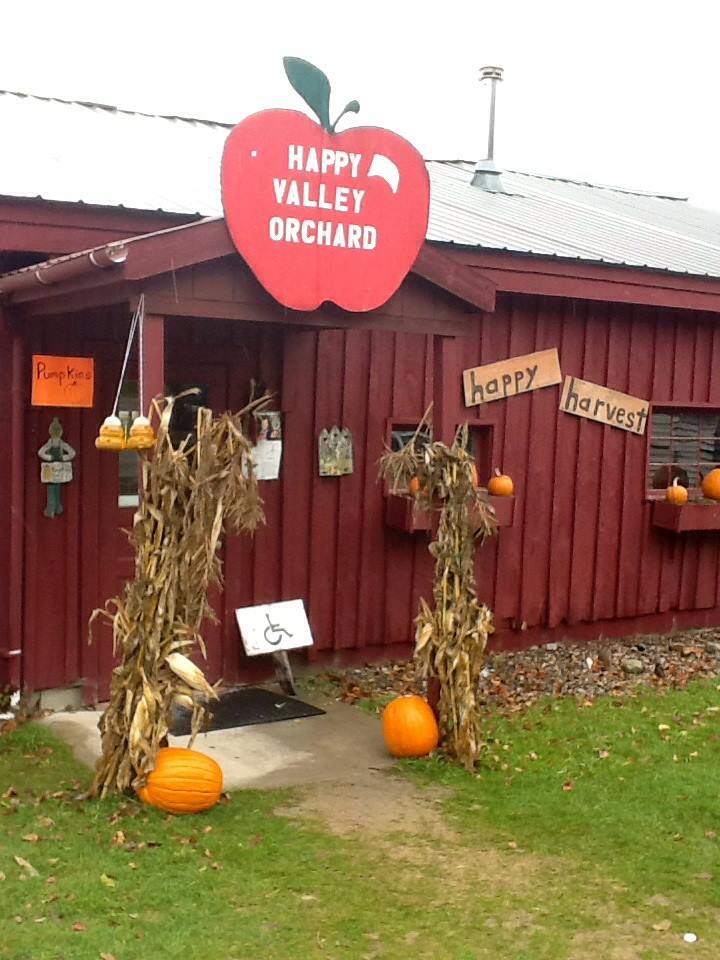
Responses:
[671,406]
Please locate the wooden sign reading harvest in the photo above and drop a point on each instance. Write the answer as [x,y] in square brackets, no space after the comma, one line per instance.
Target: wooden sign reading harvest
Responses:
[604,406]
[507,378]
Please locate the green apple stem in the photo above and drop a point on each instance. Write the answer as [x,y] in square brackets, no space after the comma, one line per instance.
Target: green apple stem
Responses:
[352,107]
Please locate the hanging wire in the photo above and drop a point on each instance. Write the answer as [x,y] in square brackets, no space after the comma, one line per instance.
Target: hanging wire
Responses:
[137,318]
[141,347]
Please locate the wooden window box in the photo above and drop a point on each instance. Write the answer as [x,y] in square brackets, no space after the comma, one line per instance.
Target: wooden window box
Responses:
[403,513]
[684,517]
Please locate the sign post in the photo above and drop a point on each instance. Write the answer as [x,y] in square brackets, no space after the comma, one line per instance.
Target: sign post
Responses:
[275,628]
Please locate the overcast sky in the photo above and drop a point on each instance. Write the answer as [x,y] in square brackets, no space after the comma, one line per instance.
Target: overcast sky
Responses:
[613,92]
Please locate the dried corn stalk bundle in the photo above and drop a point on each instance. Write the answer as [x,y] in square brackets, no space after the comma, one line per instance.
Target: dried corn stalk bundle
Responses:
[451,636]
[189,494]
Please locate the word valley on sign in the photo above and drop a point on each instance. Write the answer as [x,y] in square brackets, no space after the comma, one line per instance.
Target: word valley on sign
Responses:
[306,194]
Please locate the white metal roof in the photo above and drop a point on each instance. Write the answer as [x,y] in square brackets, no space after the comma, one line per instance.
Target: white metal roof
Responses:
[99,155]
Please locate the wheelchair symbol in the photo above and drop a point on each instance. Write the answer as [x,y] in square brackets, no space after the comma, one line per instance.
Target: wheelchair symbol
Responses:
[273,632]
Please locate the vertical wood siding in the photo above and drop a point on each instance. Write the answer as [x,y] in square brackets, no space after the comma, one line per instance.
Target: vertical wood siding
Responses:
[581,551]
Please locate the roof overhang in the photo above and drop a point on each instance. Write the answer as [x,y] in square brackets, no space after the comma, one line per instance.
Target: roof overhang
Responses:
[119,271]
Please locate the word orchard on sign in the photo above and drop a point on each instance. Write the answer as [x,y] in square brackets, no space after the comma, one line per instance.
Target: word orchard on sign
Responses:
[507,378]
[271,627]
[585,399]
[320,215]
[62,381]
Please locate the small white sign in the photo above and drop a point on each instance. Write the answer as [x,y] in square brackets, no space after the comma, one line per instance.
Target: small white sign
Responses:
[270,627]
[56,472]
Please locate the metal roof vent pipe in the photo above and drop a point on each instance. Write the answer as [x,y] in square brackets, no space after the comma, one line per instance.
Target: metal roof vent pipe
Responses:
[486,175]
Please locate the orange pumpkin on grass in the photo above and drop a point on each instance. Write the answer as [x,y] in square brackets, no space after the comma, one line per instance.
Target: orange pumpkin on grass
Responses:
[183,781]
[409,727]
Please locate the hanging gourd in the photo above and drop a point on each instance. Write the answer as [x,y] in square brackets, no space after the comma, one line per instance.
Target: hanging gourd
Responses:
[676,493]
[142,435]
[500,485]
[111,435]
[711,485]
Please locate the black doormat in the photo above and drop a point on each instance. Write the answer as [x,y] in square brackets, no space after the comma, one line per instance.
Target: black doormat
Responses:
[243,708]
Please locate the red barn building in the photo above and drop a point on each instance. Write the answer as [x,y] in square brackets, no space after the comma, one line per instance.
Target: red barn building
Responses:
[98,206]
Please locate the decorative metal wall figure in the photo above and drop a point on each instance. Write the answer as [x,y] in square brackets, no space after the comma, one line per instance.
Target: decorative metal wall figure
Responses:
[335,452]
[56,468]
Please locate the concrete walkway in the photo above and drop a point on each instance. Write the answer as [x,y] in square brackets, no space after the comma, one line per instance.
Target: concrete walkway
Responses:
[344,745]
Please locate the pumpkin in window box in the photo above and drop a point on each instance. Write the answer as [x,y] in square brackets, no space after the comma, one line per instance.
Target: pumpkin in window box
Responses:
[711,485]
[500,485]
[111,435]
[676,493]
[142,435]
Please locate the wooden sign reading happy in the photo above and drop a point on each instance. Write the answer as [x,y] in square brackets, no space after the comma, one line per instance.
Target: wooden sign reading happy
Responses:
[508,378]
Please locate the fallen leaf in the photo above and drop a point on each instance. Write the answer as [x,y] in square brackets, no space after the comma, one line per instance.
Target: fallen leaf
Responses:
[28,867]
[31,838]
[568,786]
[106,880]
[603,754]
[107,956]
[79,927]
[663,726]
[46,822]
[118,839]
[662,925]
[39,919]
[711,835]
[2,876]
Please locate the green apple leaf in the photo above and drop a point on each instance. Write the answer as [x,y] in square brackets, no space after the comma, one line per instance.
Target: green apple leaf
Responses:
[312,85]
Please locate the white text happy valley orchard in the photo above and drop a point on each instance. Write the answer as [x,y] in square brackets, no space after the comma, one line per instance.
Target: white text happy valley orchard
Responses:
[294,191]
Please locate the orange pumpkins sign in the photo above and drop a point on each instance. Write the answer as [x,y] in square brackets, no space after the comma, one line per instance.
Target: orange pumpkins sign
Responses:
[62,381]
[320,215]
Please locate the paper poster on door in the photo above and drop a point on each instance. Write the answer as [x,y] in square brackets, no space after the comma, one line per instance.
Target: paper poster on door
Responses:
[267,453]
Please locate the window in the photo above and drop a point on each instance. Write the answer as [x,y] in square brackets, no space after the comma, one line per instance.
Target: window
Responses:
[481,447]
[183,422]
[684,443]
[128,409]
[402,434]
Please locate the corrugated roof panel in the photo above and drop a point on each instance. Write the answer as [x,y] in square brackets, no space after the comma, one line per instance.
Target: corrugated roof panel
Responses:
[103,156]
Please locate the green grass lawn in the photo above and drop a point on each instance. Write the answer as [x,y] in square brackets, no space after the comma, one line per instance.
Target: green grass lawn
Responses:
[587,832]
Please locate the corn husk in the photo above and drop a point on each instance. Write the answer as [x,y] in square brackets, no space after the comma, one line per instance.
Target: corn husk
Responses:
[189,495]
[451,635]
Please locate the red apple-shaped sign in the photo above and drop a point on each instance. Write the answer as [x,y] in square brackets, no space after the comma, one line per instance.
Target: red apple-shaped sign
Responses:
[320,215]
